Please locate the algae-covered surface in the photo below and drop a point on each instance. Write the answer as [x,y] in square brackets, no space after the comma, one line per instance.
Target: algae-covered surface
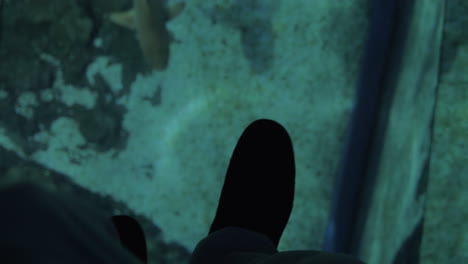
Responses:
[79,98]
[445,237]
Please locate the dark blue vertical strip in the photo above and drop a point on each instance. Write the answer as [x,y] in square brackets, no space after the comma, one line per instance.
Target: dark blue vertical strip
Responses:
[355,157]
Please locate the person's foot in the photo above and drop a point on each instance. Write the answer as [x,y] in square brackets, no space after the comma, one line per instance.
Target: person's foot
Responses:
[258,190]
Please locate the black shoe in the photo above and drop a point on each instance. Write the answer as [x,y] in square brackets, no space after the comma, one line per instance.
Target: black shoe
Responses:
[131,236]
[258,191]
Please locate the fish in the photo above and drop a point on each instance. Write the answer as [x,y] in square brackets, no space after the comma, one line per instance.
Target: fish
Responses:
[148,19]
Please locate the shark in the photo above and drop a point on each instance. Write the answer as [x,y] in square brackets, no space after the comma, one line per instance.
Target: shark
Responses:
[148,18]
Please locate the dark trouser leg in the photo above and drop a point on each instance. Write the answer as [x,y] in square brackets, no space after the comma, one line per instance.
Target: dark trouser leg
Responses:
[37,226]
[233,245]
[216,247]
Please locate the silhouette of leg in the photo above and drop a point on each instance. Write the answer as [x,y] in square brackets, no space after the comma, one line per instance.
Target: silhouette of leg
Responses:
[38,226]
[257,195]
